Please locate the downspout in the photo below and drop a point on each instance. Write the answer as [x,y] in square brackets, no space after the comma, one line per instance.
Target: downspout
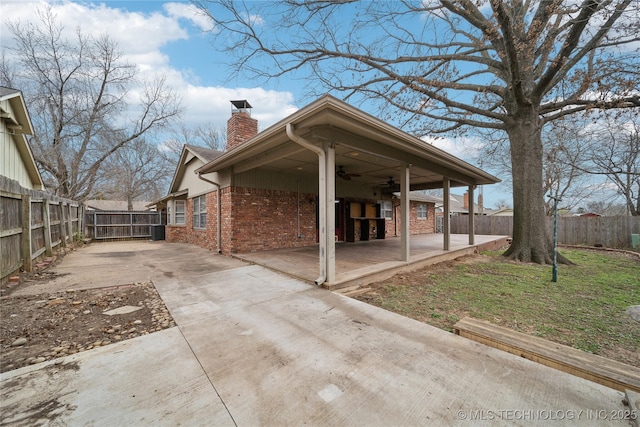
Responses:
[219,213]
[322,199]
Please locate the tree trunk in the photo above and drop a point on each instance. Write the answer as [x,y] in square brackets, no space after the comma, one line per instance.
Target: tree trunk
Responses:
[531,241]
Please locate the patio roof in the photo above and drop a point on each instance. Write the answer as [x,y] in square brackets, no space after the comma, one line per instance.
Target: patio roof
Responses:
[368,149]
[331,139]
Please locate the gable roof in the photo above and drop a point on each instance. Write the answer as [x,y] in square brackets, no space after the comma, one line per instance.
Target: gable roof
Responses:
[364,144]
[189,153]
[16,118]
[203,153]
[419,196]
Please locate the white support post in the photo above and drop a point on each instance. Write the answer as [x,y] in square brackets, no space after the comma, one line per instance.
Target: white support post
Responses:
[472,216]
[405,212]
[446,214]
[331,212]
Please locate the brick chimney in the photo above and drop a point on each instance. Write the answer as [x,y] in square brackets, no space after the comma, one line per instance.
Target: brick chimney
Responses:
[465,200]
[240,127]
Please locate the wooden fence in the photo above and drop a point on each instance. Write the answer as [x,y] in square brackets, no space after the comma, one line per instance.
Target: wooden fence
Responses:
[104,225]
[609,231]
[33,224]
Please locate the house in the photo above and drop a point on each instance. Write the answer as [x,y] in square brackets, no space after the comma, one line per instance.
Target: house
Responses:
[325,174]
[503,211]
[588,214]
[187,187]
[16,159]
[459,205]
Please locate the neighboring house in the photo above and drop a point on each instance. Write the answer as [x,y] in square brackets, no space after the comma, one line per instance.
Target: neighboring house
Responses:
[588,214]
[115,205]
[326,173]
[16,159]
[504,211]
[459,205]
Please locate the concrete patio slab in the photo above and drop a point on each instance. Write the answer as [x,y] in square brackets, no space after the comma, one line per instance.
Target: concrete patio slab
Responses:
[364,262]
[255,347]
[149,380]
[306,355]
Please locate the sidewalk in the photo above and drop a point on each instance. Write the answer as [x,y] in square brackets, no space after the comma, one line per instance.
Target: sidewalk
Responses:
[254,347]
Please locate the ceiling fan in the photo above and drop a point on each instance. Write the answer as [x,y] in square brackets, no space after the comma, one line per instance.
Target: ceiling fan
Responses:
[345,175]
[389,183]
[389,186]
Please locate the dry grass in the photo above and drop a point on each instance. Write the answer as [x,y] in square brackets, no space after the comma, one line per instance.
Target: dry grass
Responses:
[585,309]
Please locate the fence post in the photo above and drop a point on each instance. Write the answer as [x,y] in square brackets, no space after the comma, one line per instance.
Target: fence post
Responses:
[46,219]
[64,231]
[25,243]
[69,223]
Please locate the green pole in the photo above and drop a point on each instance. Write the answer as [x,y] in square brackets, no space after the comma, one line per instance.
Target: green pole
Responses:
[554,270]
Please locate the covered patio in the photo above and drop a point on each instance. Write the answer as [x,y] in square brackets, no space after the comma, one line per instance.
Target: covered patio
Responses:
[345,154]
[361,263]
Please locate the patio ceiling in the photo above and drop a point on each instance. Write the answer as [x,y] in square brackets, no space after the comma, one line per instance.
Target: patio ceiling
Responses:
[370,151]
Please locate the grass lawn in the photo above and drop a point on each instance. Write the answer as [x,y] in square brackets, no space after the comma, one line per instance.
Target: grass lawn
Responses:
[585,309]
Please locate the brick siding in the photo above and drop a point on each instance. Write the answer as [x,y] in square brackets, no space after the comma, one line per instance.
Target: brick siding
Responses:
[258,220]
[267,219]
[416,226]
[240,127]
[205,238]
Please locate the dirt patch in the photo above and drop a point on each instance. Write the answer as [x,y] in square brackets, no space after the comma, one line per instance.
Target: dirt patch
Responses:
[36,328]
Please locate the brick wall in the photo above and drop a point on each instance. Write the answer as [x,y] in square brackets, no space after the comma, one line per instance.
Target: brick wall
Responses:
[422,225]
[205,238]
[416,226]
[267,219]
[257,220]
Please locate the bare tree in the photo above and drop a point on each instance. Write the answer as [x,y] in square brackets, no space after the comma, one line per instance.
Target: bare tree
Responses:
[206,135]
[502,203]
[615,153]
[563,166]
[606,208]
[446,66]
[135,172]
[78,96]
[564,162]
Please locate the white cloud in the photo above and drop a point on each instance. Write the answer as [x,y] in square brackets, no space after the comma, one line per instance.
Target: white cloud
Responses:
[212,105]
[467,149]
[135,32]
[191,13]
[141,37]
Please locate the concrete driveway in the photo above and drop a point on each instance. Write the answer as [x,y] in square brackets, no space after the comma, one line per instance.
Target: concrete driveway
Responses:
[254,347]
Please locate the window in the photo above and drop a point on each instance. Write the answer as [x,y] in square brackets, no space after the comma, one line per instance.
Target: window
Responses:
[179,215]
[200,212]
[386,210]
[422,211]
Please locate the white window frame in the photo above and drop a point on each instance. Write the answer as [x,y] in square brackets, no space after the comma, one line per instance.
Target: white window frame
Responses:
[422,211]
[180,212]
[200,212]
[386,209]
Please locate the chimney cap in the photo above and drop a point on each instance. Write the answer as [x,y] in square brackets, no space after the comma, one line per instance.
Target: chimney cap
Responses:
[241,104]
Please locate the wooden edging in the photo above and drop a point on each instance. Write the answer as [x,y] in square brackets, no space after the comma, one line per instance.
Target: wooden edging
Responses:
[601,370]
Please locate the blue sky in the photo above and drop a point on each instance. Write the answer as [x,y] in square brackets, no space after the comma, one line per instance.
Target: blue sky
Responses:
[169,38]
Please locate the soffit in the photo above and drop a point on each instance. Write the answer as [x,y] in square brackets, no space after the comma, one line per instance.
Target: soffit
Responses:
[364,146]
